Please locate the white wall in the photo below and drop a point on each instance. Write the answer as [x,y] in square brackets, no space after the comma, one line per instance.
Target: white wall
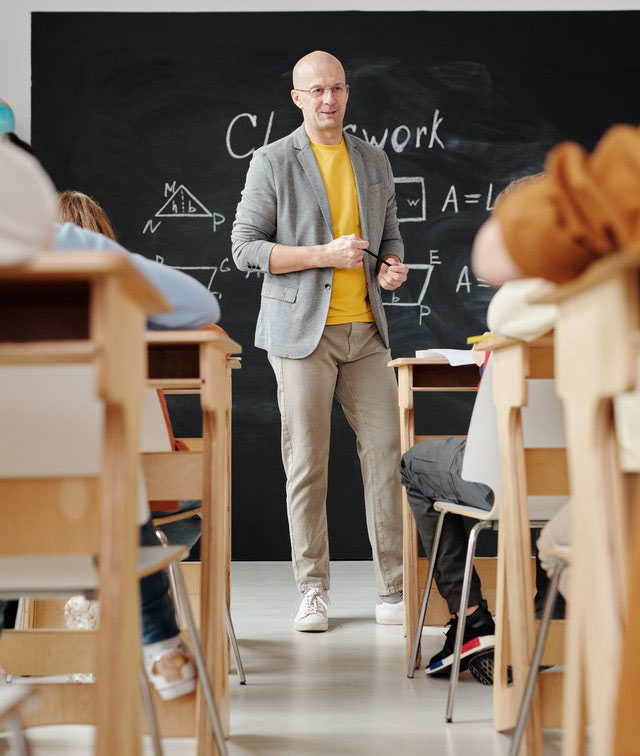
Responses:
[15,25]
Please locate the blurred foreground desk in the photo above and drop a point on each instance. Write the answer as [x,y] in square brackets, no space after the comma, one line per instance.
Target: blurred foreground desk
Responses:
[88,309]
[420,375]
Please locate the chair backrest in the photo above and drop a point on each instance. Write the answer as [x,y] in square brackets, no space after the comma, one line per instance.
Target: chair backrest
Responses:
[542,429]
[155,433]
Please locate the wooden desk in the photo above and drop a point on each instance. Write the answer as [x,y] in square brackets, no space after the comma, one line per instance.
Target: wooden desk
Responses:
[90,308]
[196,361]
[421,375]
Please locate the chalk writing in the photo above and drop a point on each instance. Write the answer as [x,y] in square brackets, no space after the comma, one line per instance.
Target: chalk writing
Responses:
[245,125]
[464,281]
[253,120]
[224,267]
[452,202]
[395,297]
[411,198]
[183,204]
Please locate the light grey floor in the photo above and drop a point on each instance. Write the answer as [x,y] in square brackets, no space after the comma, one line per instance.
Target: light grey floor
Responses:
[343,692]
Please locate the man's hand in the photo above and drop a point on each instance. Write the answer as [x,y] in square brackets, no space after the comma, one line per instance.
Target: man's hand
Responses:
[393,276]
[345,252]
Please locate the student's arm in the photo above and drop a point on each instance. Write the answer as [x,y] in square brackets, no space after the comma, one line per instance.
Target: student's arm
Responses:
[192,305]
[585,207]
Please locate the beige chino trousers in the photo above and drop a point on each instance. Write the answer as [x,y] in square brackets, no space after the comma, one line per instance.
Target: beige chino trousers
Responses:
[350,363]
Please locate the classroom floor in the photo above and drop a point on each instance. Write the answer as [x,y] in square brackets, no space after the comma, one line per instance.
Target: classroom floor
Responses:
[344,692]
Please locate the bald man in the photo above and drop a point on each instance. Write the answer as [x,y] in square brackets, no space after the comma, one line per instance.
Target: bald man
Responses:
[313,203]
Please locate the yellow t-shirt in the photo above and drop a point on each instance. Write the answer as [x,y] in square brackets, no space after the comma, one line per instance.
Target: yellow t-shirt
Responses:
[349,299]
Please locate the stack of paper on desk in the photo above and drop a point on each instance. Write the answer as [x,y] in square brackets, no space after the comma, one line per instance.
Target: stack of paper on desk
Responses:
[453,356]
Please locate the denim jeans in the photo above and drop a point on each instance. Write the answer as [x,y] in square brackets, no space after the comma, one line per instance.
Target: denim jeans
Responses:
[158,611]
[183,532]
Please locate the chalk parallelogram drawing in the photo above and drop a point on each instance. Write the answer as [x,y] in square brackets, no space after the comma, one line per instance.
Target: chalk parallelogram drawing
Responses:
[411,199]
[428,268]
[223,268]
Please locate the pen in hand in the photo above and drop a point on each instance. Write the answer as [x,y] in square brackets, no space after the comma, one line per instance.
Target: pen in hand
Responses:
[373,254]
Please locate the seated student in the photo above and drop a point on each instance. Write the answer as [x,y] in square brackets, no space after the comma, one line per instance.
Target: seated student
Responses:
[586,206]
[27,223]
[81,210]
[431,471]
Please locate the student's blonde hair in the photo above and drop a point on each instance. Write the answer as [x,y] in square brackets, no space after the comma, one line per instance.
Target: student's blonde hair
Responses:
[84,211]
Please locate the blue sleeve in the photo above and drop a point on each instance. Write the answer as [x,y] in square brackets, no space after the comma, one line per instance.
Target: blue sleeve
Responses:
[192,305]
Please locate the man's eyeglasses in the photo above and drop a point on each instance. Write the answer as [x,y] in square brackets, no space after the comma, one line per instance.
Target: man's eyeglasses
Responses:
[338,90]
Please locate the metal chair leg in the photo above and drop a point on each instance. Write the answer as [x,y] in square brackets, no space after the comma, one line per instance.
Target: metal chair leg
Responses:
[234,646]
[173,589]
[152,720]
[417,638]
[200,663]
[549,605]
[462,614]
[17,735]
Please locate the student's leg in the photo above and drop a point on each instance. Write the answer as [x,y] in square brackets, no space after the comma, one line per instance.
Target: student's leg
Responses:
[158,612]
[368,393]
[431,472]
[167,661]
[183,532]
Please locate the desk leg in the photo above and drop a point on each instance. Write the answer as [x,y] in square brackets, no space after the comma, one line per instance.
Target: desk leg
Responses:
[515,606]
[118,325]
[410,588]
[213,587]
[117,664]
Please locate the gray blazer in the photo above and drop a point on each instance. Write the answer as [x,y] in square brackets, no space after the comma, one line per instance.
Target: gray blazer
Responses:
[284,202]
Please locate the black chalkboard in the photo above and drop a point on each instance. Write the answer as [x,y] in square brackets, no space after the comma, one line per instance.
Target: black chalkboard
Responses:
[156,114]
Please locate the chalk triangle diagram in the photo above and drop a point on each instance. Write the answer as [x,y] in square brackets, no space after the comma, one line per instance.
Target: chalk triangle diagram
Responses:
[182,204]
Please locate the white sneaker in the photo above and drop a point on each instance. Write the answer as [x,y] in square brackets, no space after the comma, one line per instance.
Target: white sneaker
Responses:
[311,611]
[170,668]
[389,614]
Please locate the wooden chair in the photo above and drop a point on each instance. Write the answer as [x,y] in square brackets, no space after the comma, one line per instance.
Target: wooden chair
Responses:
[85,312]
[596,360]
[543,431]
[196,362]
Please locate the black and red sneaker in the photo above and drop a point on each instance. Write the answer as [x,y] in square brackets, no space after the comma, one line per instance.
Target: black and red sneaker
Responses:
[479,635]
